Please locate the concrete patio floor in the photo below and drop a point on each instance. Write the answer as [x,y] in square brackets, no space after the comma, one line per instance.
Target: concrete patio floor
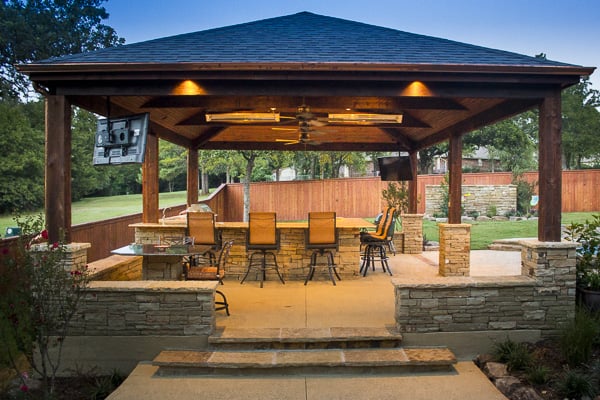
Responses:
[360,302]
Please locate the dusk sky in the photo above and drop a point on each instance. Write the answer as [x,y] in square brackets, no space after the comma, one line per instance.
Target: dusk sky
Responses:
[566,30]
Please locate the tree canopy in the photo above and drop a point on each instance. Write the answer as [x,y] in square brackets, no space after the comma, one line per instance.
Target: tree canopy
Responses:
[32,30]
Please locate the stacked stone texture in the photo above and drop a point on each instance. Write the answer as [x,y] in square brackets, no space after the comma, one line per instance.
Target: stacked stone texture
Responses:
[475,198]
[146,309]
[455,249]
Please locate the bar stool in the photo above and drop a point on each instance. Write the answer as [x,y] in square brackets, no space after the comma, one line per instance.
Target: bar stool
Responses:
[202,231]
[262,238]
[374,246]
[322,237]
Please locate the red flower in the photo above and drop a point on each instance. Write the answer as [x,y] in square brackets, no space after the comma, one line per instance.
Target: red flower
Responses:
[24,388]
[55,245]
[45,234]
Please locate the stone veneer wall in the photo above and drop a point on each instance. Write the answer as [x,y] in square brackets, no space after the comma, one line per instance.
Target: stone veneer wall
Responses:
[116,268]
[475,198]
[542,298]
[146,308]
[412,234]
[292,257]
[455,249]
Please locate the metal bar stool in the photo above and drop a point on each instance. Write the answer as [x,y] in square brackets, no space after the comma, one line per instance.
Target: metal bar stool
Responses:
[375,246]
[263,239]
[322,237]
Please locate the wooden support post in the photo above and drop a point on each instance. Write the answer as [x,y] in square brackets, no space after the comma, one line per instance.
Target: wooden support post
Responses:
[455,187]
[413,192]
[150,181]
[550,169]
[58,168]
[192,177]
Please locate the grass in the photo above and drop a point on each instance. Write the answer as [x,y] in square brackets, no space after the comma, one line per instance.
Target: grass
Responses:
[482,233]
[99,208]
[485,232]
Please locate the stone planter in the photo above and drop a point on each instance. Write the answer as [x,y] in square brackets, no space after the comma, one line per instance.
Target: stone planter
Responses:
[589,298]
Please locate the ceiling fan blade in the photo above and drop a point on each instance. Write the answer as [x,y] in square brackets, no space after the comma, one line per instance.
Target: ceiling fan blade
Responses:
[285,129]
[288,142]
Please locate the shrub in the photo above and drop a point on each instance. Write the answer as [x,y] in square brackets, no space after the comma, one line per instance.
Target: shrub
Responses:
[538,374]
[491,211]
[578,338]
[516,355]
[575,384]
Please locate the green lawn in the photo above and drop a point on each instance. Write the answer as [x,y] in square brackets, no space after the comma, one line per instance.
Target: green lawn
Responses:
[99,208]
[484,233]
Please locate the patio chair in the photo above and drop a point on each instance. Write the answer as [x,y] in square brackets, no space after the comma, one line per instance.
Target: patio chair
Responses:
[374,246]
[202,231]
[322,238]
[212,272]
[262,239]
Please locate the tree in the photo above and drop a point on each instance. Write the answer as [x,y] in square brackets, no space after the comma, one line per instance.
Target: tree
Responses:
[512,140]
[277,160]
[250,158]
[22,155]
[172,163]
[580,123]
[32,30]
[428,155]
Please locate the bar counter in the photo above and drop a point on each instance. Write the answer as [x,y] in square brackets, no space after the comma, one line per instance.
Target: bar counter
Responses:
[292,257]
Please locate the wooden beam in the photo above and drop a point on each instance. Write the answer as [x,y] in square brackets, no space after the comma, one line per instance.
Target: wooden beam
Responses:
[150,181]
[192,176]
[455,187]
[324,146]
[502,111]
[550,173]
[303,88]
[264,103]
[413,193]
[58,168]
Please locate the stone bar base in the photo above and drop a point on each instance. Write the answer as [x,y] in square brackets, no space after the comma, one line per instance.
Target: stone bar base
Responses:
[455,249]
[412,227]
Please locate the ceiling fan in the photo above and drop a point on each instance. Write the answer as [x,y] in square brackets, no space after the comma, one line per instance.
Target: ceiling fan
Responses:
[306,121]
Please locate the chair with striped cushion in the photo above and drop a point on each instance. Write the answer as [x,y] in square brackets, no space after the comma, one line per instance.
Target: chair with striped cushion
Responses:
[212,272]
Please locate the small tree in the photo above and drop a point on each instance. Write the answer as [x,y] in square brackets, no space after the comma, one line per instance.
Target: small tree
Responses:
[40,299]
[396,195]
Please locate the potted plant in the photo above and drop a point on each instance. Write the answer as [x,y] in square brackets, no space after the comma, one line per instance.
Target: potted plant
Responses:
[588,263]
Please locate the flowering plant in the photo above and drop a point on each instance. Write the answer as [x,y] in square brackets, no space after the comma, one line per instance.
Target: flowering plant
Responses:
[39,299]
[587,235]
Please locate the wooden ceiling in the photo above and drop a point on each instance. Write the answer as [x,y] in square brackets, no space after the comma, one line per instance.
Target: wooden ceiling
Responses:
[434,105]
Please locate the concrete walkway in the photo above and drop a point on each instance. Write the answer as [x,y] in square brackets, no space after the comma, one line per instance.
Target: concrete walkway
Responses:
[466,382]
[361,302]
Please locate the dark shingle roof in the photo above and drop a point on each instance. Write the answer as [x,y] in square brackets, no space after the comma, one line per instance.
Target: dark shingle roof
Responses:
[304,38]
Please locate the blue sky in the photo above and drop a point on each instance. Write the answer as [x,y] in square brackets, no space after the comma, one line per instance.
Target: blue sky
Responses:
[566,30]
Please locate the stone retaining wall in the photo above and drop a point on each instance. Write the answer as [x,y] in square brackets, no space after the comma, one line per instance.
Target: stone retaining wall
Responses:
[475,198]
[542,298]
[146,308]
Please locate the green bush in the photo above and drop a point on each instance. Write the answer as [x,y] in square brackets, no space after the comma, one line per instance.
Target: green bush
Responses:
[538,374]
[491,211]
[516,355]
[578,338]
[575,384]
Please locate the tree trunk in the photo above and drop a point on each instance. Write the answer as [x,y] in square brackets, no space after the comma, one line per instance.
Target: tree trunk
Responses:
[249,168]
[204,184]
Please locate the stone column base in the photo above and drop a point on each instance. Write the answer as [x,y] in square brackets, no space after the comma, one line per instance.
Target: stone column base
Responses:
[455,249]
[412,226]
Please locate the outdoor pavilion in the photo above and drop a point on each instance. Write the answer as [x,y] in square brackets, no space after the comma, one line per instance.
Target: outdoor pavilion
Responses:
[443,89]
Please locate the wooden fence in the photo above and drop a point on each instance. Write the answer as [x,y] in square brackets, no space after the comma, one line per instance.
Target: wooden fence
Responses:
[357,197]
[361,197]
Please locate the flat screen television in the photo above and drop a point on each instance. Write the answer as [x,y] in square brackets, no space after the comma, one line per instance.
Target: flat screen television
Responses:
[121,140]
[395,168]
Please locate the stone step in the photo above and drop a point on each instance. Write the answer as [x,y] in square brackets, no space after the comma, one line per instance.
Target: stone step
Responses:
[504,247]
[309,362]
[304,338]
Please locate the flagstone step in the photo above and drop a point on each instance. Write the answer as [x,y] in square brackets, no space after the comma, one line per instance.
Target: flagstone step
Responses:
[305,338]
[325,361]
